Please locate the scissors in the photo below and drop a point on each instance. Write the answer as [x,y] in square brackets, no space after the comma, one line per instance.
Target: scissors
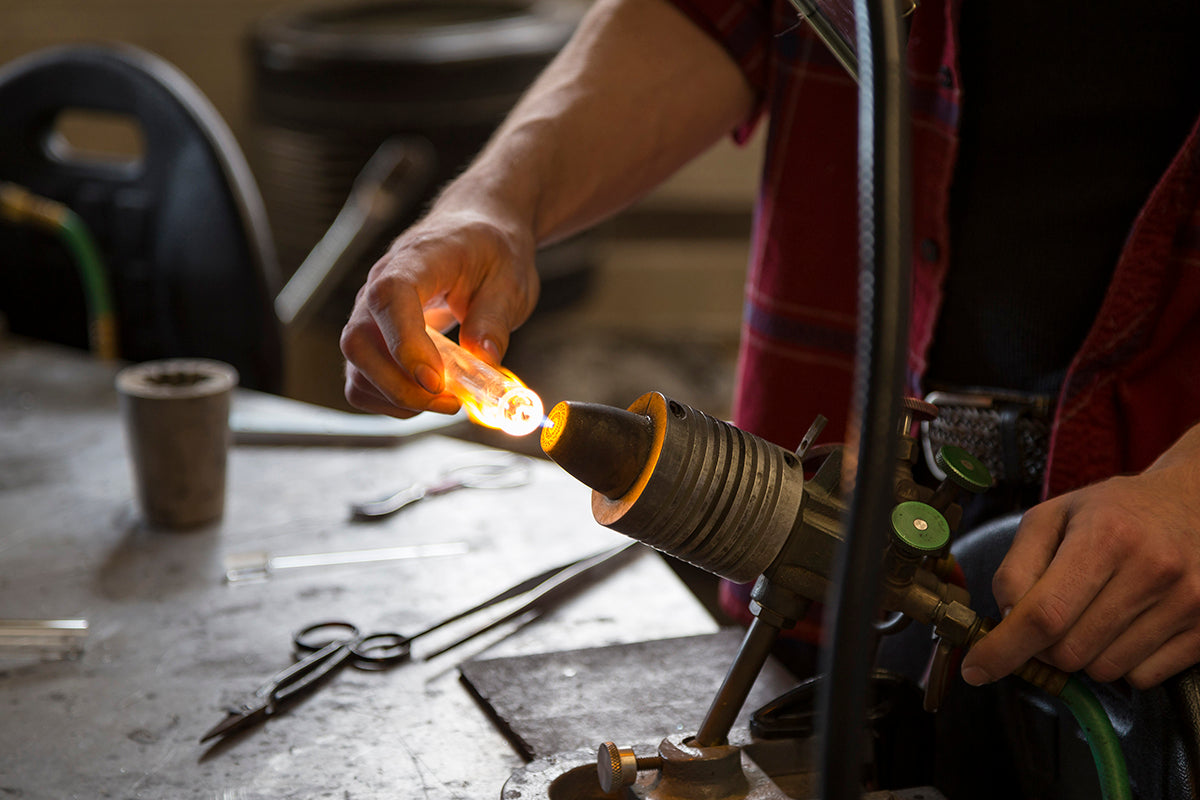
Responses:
[502,473]
[323,655]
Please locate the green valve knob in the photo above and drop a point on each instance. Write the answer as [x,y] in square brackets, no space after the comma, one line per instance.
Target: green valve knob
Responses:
[963,469]
[920,528]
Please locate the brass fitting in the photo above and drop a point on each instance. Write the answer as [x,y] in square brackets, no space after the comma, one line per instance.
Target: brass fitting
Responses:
[1040,674]
[22,206]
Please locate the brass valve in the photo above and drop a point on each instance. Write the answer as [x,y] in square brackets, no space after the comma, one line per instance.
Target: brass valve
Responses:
[964,473]
[919,529]
[913,412]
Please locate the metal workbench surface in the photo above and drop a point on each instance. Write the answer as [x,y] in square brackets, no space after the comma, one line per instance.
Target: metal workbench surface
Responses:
[171,642]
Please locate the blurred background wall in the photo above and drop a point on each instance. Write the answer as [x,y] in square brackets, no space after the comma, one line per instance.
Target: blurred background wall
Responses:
[663,289]
[205,39]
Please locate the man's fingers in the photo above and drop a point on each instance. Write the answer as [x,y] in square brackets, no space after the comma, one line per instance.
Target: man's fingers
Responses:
[1137,644]
[1116,631]
[1178,653]
[365,396]
[439,316]
[1162,639]
[374,382]
[1034,624]
[484,335]
[396,309]
[448,266]
[1042,617]
[1034,546]
[497,309]
[1023,633]
[370,367]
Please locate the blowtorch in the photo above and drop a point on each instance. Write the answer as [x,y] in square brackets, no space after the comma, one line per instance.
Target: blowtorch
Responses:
[738,506]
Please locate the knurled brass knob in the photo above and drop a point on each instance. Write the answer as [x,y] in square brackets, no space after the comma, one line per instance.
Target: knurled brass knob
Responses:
[618,767]
[915,411]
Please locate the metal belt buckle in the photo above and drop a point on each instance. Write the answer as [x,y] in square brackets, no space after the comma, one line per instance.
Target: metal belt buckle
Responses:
[1004,458]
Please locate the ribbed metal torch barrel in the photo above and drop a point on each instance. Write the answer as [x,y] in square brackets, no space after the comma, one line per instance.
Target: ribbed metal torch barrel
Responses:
[691,485]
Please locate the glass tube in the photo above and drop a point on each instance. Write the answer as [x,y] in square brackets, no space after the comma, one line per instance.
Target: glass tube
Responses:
[492,396]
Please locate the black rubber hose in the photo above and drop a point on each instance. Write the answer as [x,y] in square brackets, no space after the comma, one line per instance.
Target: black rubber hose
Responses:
[884,249]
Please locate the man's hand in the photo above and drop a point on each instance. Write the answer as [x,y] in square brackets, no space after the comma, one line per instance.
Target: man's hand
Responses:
[1105,579]
[451,265]
[611,116]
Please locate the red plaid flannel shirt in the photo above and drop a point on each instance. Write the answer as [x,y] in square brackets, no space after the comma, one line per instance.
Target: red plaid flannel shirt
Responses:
[1134,386]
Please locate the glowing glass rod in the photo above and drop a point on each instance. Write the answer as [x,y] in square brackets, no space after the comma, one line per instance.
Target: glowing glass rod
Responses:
[492,396]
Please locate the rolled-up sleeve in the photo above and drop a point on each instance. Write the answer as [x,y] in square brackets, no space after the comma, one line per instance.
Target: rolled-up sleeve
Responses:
[745,29]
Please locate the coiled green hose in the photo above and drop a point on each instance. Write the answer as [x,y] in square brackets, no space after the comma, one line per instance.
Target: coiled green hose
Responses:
[1101,738]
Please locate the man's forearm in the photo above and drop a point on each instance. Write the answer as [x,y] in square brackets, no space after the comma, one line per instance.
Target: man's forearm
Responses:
[637,92]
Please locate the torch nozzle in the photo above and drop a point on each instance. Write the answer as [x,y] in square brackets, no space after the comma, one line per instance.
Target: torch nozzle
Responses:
[603,447]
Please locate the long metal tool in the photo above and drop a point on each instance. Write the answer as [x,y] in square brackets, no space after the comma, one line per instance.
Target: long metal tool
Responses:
[537,595]
[833,38]
[523,602]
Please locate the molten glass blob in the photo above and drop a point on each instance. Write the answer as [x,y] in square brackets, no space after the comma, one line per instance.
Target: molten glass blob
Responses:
[492,396]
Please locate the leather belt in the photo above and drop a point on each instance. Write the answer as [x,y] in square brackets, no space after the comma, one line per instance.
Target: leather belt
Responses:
[1008,431]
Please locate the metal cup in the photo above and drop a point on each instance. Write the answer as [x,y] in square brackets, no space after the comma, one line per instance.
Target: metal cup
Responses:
[176,416]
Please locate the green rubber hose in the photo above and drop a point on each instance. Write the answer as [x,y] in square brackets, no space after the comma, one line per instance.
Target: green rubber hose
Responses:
[75,236]
[1101,738]
[21,206]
